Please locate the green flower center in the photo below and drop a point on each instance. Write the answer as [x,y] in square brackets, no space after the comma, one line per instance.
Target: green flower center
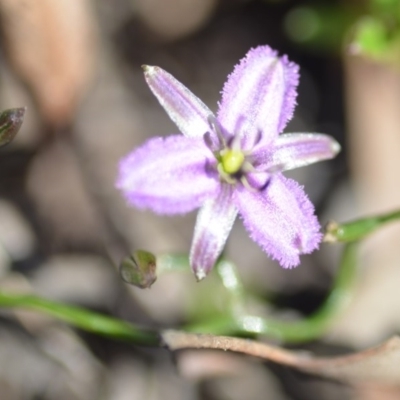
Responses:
[231,161]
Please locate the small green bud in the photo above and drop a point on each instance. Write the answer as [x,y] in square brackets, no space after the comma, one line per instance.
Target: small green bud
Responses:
[10,122]
[139,269]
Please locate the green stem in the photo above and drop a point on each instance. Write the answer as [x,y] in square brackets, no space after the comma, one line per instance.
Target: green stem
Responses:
[359,229]
[172,262]
[84,319]
[292,332]
[236,321]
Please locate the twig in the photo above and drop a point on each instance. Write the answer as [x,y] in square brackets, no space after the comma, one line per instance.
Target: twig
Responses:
[375,365]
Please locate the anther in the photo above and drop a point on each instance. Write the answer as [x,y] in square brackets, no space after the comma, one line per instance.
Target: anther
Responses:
[216,128]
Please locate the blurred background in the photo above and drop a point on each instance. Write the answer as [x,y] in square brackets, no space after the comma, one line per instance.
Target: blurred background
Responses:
[64,227]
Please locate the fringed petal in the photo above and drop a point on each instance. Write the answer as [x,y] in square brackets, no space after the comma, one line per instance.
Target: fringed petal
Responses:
[168,176]
[259,95]
[280,219]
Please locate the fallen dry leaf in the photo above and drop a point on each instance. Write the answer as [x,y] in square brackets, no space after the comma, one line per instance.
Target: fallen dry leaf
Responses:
[374,365]
[50,45]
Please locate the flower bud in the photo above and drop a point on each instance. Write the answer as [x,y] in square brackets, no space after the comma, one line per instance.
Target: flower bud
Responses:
[10,122]
[139,269]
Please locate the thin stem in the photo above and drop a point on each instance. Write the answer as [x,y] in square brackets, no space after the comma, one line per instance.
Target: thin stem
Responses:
[307,329]
[359,229]
[84,319]
[172,262]
[349,368]
[236,321]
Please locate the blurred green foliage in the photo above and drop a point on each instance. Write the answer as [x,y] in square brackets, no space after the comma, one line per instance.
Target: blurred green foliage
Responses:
[370,28]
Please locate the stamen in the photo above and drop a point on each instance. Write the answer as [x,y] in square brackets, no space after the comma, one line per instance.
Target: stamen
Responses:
[226,177]
[235,141]
[257,139]
[266,184]
[247,167]
[272,170]
[216,128]
[247,184]
[252,186]
[208,142]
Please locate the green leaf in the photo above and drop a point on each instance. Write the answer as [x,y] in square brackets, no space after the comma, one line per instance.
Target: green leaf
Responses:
[82,318]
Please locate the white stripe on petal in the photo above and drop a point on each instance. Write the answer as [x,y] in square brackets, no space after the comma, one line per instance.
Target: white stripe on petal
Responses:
[188,112]
[295,150]
[213,225]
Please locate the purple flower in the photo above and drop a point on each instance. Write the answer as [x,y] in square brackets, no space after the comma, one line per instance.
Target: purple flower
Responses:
[231,163]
